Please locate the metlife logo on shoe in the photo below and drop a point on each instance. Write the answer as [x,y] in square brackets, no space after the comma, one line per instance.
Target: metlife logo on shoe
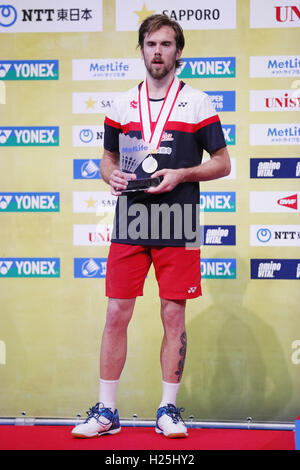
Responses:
[55,16]
[191,15]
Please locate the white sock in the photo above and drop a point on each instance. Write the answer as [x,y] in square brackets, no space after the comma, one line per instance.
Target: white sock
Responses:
[169,393]
[108,392]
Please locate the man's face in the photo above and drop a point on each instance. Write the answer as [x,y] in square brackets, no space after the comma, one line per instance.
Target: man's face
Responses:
[160,53]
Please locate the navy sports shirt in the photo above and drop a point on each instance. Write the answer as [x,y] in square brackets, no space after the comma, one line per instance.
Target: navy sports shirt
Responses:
[168,219]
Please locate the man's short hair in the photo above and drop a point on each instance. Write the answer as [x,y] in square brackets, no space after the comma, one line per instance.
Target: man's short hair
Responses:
[155,22]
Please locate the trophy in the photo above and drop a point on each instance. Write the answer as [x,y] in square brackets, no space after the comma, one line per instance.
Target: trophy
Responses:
[133,153]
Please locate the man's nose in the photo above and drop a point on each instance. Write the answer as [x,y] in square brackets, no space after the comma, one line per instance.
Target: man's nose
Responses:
[157,49]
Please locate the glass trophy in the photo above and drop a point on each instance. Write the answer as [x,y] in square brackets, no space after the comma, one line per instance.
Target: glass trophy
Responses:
[133,153]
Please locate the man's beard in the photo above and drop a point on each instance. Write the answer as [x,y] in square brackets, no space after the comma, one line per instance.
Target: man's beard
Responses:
[161,72]
[158,73]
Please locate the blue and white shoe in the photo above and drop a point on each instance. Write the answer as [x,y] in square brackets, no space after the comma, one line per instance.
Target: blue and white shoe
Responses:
[100,421]
[169,422]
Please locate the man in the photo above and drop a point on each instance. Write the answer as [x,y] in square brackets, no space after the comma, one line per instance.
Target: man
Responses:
[177,122]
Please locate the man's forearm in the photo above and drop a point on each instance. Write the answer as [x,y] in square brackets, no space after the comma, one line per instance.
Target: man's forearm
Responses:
[214,168]
[109,163]
[217,167]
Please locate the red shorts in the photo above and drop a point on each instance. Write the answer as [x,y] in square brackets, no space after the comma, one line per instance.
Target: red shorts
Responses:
[177,271]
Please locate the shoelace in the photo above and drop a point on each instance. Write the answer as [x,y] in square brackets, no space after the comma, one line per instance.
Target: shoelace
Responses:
[174,413]
[94,412]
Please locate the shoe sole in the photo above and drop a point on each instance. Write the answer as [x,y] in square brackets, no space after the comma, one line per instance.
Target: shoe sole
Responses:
[98,434]
[172,435]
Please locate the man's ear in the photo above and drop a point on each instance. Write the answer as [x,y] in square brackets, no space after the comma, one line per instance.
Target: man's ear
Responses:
[178,54]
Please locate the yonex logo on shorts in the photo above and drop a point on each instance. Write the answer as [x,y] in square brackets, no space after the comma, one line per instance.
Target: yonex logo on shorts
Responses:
[192,290]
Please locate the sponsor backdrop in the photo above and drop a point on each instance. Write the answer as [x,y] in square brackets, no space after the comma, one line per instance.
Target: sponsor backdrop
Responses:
[62,65]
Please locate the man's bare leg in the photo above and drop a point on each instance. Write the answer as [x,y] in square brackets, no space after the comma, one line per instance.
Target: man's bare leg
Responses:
[114,339]
[103,418]
[173,349]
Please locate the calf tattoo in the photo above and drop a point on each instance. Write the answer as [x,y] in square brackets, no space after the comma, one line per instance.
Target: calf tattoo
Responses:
[182,353]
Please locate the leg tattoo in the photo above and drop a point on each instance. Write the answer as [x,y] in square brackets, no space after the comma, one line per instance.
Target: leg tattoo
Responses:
[182,353]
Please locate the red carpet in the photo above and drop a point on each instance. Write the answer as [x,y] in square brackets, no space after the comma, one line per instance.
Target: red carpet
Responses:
[143,438]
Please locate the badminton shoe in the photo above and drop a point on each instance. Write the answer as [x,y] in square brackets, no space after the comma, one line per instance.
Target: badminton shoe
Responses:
[100,421]
[169,422]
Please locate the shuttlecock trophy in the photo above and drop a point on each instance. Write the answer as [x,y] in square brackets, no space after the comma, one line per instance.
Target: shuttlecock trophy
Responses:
[133,153]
